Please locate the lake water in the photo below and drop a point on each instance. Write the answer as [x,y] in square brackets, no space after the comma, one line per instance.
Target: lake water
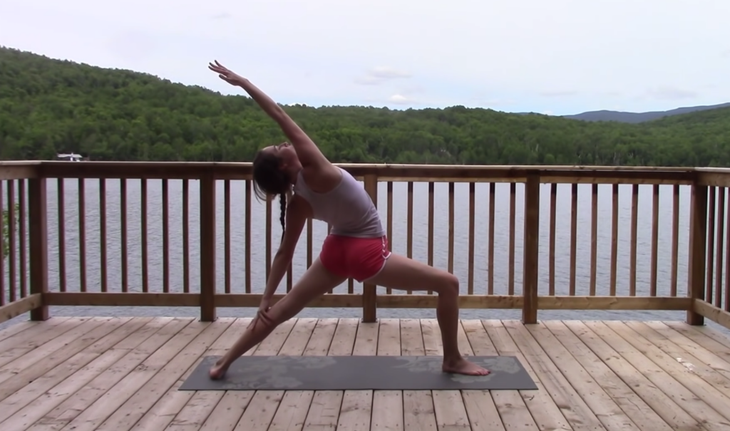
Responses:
[398,244]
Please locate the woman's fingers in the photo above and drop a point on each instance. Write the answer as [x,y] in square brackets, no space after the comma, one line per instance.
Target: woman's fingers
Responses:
[217,67]
[264,317]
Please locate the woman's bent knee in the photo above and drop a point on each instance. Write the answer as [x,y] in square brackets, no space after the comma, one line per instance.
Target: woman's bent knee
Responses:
[400,272]
[448,284]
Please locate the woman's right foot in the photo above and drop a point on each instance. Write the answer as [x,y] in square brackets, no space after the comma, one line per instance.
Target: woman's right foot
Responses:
[462,366]
[217,371]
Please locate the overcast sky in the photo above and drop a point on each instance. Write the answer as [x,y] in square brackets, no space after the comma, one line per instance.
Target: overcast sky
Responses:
[549,56]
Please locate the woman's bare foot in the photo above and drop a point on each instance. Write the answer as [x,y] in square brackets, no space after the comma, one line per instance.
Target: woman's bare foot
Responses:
[462,366]
[218,370]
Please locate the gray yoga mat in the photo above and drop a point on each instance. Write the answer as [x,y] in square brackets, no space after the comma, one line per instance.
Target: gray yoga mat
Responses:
[356,372]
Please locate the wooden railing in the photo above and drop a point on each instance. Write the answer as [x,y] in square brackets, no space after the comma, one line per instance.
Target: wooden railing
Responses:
[188,235]
[23,259]
[710,247]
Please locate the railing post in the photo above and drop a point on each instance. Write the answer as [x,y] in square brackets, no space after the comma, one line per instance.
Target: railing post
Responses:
[530,250]
[207,248]
[38,224]
[697,252]
[369,294]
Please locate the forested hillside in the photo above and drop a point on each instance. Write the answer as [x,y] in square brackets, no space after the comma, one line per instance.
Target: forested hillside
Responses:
[49,106]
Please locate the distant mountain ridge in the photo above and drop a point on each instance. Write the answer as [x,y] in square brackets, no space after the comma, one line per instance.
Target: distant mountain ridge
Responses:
[639,117]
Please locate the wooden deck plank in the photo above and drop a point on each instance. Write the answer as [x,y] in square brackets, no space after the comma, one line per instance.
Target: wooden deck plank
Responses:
[544,409]
[122,374]
[93,408]
[17,397]
[75,382]
[710,365]
[448,405]
[633,407]
[354,338]
[510,405]
[704,330]
[29,329]
[229,409]
[500,409]
[263,405]
[707,366]
[159,380]
[480,405]
[671,385]
[35,364]
[17,328]
[11,336]
[71,403]
[293,406]
[165,379]
[653,396]
[711,395]
[187,410]
[574,408]
[698,343]
[418,410]
[324,411]
[22,350]
[218,411]
[605,408]
[388,404]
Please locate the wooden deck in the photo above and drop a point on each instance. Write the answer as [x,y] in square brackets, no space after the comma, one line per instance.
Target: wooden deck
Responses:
[122,373]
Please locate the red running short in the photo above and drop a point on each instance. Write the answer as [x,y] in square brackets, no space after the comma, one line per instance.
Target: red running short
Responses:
[359,258]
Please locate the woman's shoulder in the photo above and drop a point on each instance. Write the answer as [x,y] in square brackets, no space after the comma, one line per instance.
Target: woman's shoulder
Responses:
[321,179]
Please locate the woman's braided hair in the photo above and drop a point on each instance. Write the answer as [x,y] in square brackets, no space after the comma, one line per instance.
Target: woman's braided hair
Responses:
[270,180]
[282,204]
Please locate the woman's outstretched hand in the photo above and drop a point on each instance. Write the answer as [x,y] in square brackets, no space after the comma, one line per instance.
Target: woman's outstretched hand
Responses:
[225,74]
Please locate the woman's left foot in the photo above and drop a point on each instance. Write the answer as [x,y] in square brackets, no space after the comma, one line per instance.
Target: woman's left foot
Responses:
[462,366]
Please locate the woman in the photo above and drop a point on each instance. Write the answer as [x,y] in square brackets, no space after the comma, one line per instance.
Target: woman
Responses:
[356,246]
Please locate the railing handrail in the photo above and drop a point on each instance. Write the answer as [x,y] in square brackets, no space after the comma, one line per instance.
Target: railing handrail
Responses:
[4,163]
[407,166]
[384,171]
[713,170]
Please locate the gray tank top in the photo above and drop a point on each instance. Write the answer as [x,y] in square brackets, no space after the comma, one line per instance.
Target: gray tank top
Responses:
[347,207]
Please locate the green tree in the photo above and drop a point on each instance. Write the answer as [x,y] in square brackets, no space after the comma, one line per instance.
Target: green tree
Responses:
[50,106]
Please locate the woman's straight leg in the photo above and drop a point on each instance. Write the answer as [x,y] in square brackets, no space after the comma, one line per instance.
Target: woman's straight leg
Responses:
[316,281]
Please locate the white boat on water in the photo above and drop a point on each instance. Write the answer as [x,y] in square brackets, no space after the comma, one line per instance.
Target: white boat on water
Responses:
[71,157]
